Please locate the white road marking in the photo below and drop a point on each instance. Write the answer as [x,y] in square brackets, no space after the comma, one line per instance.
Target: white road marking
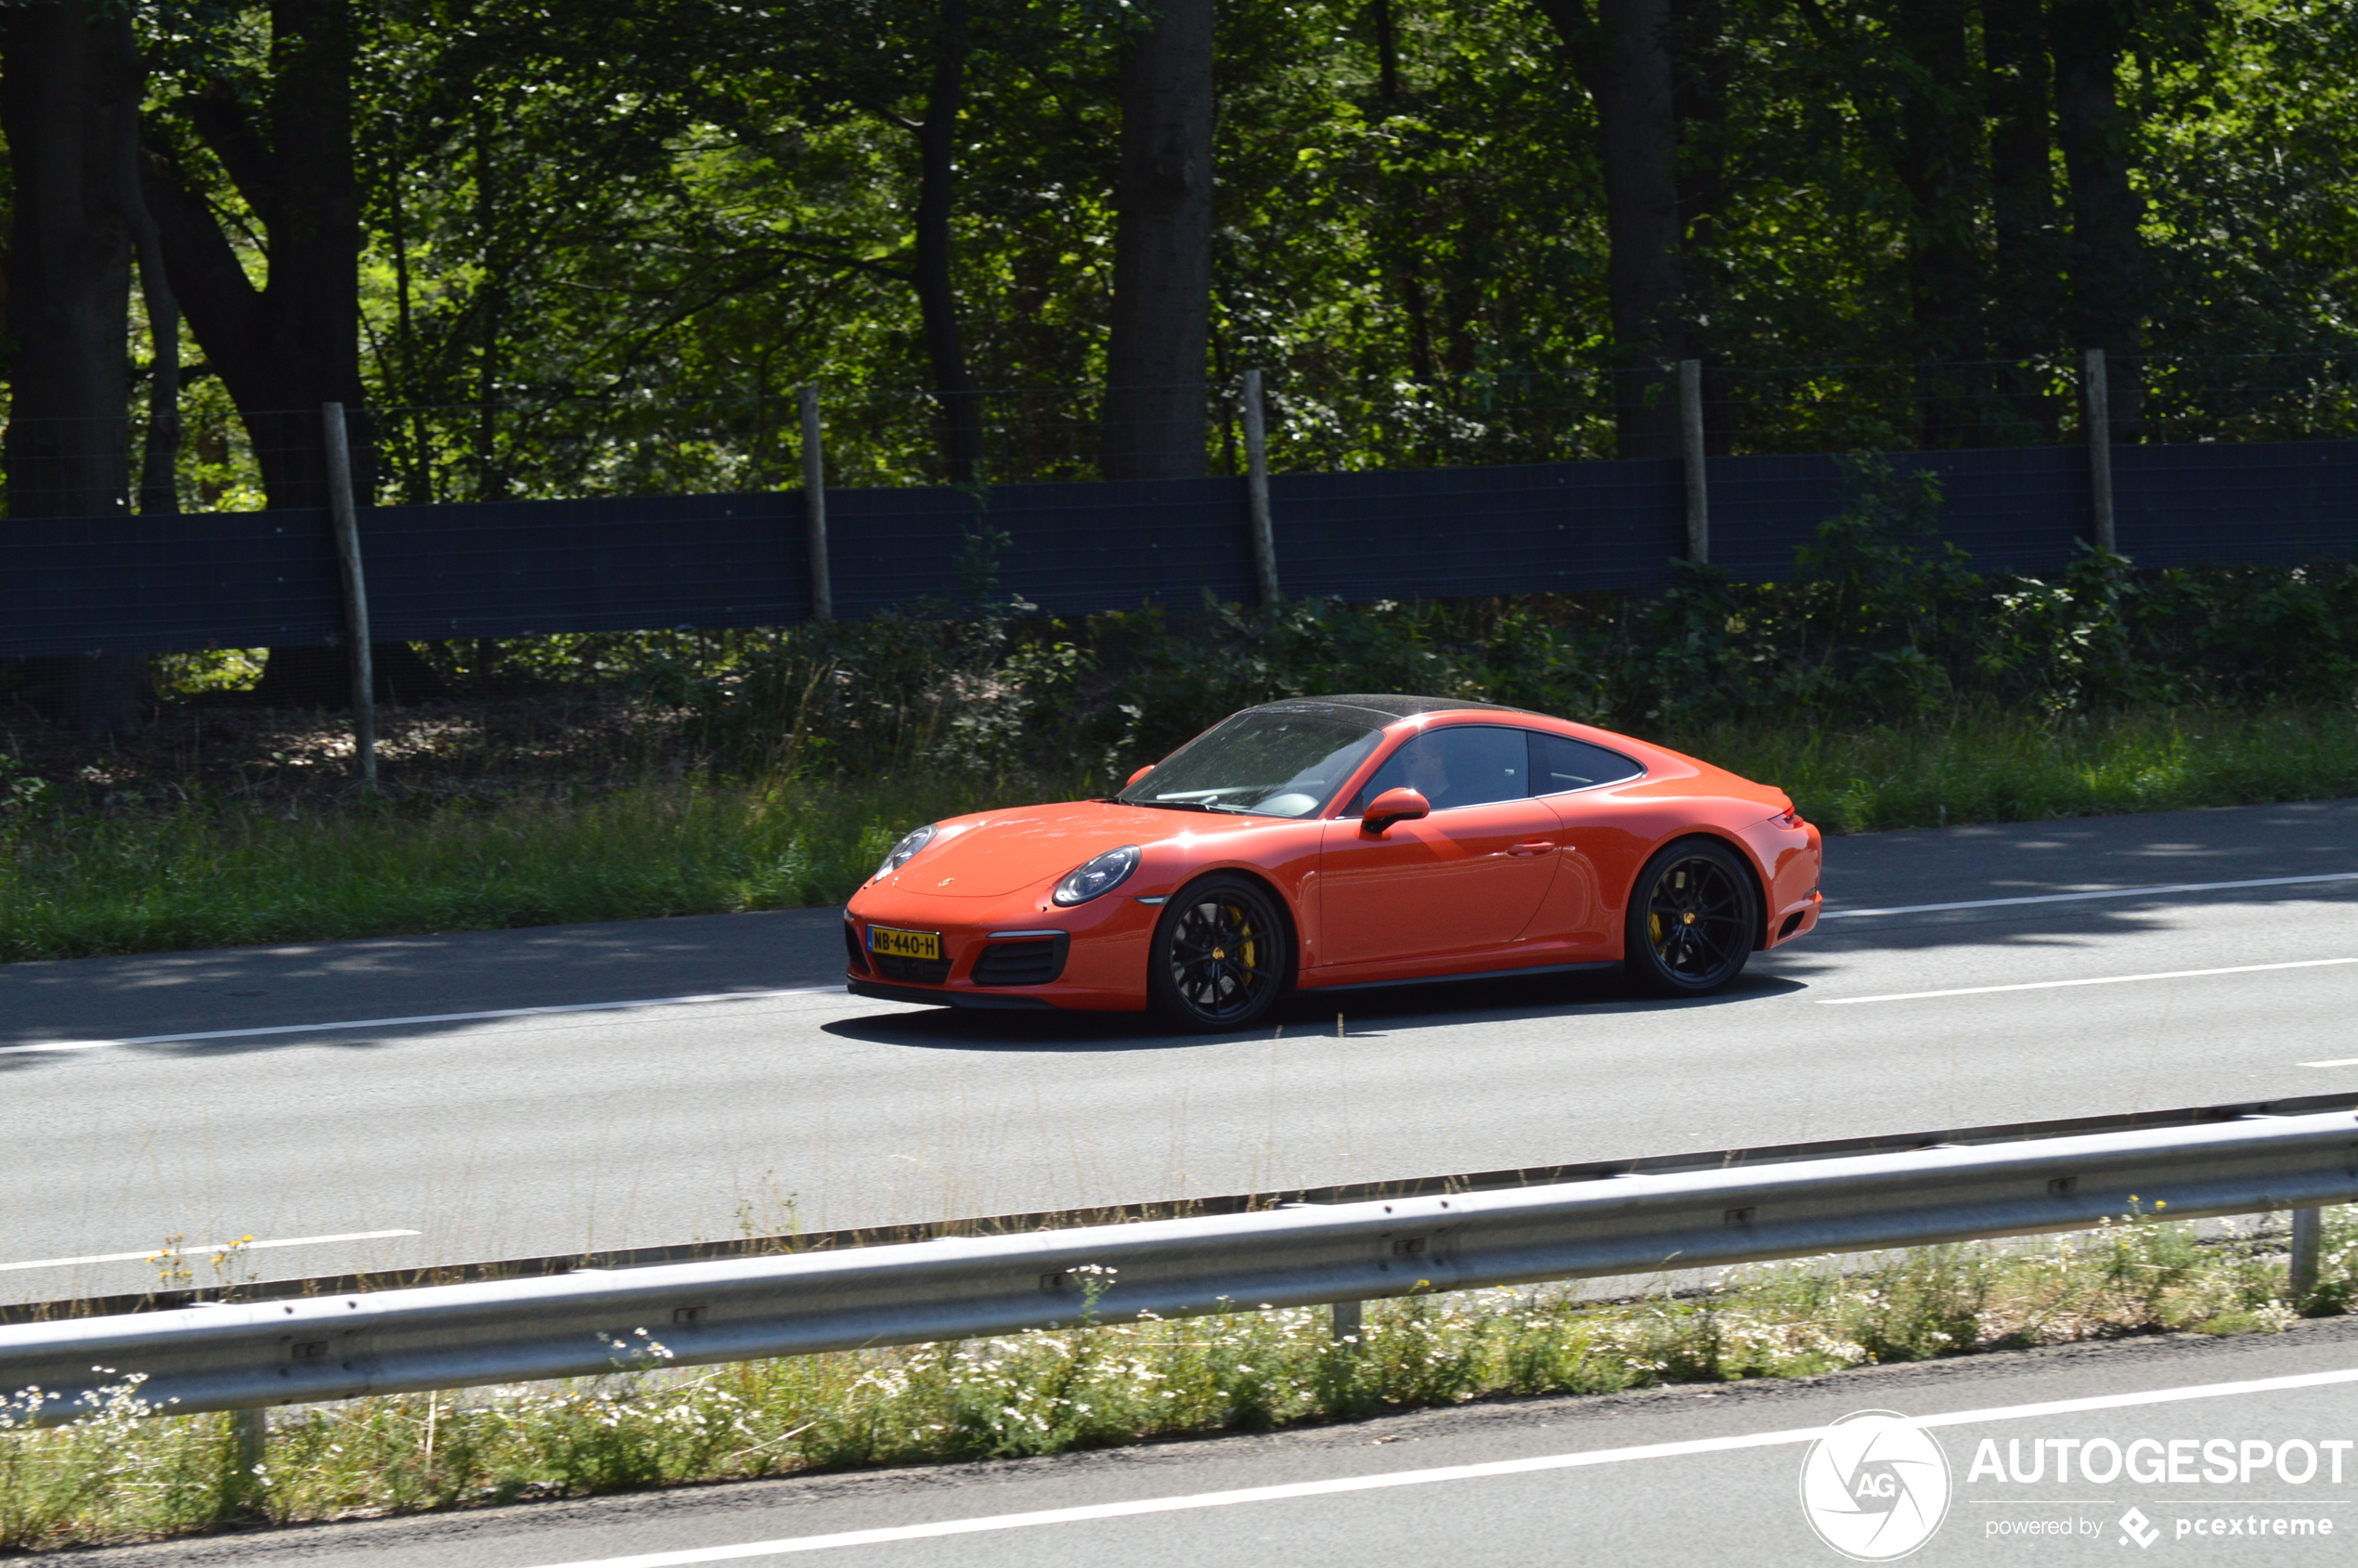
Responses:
[420,1018]
[2100,893]
[2108,979]
[1427,1477]
[208,1247]
[2337,1061]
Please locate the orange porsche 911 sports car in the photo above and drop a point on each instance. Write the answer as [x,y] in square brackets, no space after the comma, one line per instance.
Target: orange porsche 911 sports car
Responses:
[1331,843]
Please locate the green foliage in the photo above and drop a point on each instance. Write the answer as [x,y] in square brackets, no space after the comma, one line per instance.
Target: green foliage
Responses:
[1111,1378]
[604,242]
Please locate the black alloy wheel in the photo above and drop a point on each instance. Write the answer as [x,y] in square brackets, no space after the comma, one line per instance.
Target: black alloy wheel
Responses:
[1220,958]
[1692,920]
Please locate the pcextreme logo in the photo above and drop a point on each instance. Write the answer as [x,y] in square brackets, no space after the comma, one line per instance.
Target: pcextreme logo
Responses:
[1875,1487]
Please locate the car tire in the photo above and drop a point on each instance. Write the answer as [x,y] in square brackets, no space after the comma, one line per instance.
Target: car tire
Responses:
[1222,955]
[1693,920]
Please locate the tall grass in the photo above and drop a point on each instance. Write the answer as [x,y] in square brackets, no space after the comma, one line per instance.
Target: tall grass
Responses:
[116,1474]
[71,885]
[76,884]
[1993,766]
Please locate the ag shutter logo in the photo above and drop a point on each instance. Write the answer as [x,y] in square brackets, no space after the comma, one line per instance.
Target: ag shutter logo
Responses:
[1875,1487]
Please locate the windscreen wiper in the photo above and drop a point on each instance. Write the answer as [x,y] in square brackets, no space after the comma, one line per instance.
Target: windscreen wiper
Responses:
[1164,805]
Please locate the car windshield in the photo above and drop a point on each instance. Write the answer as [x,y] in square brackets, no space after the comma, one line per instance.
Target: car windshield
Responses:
[1272,764]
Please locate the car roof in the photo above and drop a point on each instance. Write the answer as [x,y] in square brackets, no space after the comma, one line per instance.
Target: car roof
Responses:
[1385,707]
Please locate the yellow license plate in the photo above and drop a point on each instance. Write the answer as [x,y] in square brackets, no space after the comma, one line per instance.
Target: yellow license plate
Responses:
[905,944]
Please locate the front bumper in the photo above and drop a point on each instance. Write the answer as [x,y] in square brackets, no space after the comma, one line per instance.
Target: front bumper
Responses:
[938,996]
[1098,961]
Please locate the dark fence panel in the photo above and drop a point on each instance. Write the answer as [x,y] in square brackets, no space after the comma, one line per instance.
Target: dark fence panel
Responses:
[506,568]
[2016,509]
[1071,549]
[246,579]
[153,584]
[1459,532]
[2273,503]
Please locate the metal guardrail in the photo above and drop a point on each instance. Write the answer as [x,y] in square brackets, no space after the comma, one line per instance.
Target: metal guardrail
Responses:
[1512,1178]
[244,1356]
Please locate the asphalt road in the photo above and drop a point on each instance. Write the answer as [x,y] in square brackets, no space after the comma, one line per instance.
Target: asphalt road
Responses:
[1670,1476]
[485,1137]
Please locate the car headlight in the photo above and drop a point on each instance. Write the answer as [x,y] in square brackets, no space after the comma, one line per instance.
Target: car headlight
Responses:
[911,842]
[1100,875]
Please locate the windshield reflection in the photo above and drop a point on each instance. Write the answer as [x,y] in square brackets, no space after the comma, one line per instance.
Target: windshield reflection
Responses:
[1259,763]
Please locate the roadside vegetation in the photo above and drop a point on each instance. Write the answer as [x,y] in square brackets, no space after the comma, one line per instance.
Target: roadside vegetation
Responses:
[217,870]
[117,1474]
[619,776]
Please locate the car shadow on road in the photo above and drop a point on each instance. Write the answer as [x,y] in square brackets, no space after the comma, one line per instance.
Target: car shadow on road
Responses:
[1358,1014]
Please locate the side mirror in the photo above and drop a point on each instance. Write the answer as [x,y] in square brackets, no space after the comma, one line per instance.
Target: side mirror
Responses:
[1139,774]
[1393,806]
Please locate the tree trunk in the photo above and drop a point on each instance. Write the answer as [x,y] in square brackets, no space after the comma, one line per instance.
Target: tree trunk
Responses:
[937,294]
[70,104]
[286,348]
[1623,55]
[1406,207]
[2106,255]
[2025,265]
[1939,123]
[1155,419]
[1702,71]
[160,447]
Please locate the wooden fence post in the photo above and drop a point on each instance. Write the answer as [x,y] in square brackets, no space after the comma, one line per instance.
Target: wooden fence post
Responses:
[1265,539]
[356,591]
[814,508]
[2098,389]
[1698,479]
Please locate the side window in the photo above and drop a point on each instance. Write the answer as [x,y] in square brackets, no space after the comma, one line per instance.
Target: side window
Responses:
[1464,765]
[1559,763]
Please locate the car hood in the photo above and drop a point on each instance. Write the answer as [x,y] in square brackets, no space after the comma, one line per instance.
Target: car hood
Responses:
[994,853]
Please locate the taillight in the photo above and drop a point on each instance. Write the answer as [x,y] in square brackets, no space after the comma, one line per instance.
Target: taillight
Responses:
[1791,819]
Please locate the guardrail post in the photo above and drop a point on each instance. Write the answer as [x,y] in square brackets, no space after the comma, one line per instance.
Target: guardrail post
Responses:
[1264,538]
[1350,1317]
[356,591]
[1691,440]
[250,1430]
[2097,386]
[814,508]
[2308,1235]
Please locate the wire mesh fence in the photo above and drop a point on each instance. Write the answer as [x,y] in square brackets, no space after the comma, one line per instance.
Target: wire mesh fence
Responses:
[623,544]
[214,458]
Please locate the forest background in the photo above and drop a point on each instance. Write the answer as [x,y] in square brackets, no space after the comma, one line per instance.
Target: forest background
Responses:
[594,248]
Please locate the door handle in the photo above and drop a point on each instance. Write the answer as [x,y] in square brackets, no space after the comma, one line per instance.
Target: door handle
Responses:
[1536,846]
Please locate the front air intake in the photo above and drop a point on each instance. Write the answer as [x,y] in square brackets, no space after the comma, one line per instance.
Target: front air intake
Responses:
[1022,961]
